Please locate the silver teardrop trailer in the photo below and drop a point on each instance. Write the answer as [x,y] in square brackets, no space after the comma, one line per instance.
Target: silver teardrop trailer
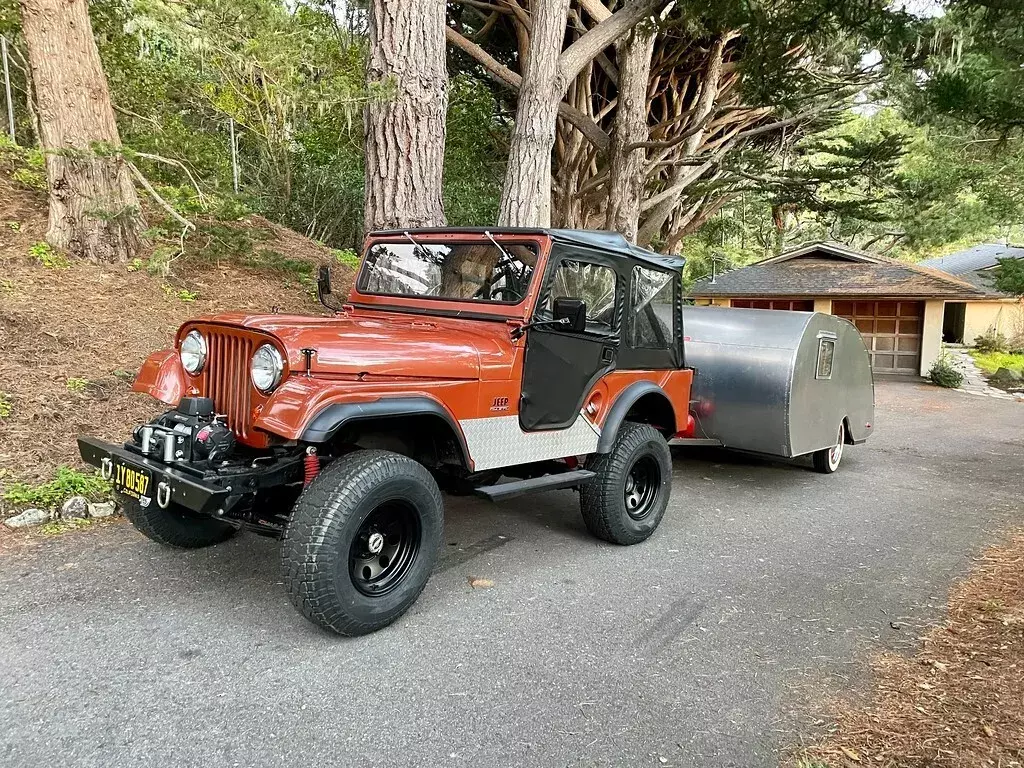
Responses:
[778,383]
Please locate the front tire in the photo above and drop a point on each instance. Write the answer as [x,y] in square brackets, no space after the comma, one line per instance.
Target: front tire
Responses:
[362,541]
[827,460]
[175,526]
[625,502]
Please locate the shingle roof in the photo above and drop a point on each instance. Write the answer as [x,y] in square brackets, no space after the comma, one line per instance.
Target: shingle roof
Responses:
[972,259]
[828,269]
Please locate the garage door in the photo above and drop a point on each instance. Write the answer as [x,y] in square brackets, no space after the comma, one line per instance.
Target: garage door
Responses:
[796,305]
[891,331]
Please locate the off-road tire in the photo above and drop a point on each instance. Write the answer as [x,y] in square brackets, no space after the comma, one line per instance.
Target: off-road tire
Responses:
[318,540]
[602,499]
[176,527]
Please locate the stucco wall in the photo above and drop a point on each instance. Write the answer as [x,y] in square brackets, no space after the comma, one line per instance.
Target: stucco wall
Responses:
[931,334]
[982,316]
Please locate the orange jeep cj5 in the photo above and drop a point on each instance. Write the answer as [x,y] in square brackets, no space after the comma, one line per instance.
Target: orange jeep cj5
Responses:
[500,362]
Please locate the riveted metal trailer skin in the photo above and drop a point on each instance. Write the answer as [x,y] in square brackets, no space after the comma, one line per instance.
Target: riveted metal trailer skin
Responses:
[777,382]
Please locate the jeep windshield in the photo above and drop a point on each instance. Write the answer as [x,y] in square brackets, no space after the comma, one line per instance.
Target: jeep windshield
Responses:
[475,272]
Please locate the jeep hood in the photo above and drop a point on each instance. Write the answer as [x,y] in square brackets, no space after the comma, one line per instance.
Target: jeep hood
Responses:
[400,346]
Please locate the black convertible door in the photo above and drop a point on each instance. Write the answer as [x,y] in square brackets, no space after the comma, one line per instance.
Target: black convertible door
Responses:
[560,368]
[559,371]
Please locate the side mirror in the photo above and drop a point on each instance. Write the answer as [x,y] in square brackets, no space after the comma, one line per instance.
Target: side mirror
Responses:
[572,310]
[323,282]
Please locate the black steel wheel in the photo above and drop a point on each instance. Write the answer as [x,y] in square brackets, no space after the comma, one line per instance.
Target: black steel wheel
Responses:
[625,502]
[384,548]
[175,526]
[643,484]
[361,541]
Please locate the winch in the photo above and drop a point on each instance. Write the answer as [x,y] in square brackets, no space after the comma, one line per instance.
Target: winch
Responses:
[192,432]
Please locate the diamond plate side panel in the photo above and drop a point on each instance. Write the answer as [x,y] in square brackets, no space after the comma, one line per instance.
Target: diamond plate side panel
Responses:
[499,441]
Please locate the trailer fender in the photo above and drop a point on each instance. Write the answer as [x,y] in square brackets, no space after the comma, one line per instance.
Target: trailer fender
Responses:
[329,421]
[652,401]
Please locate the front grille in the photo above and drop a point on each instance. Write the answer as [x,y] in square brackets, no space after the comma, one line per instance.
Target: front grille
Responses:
[227,377]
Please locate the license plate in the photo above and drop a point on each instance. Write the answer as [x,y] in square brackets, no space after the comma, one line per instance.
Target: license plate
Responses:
[132,481]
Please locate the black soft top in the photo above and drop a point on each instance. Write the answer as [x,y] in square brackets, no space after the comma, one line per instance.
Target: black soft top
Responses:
[599,239]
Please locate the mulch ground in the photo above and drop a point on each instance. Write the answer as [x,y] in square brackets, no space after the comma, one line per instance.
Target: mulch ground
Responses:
[96,323]
[960,700]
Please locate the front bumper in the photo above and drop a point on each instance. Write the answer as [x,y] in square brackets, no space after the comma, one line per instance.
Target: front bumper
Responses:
[204,495]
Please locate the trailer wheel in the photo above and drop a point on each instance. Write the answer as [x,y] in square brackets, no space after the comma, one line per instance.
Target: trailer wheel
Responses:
[362,541]
[827,460]
[627,499]
[175,526]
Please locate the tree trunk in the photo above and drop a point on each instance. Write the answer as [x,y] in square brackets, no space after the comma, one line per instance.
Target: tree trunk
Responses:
[94,211]
[626,174]
[526,196]
[405,127]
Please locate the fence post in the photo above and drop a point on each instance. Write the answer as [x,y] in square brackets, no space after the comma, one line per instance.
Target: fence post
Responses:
[234,157]
[7,87]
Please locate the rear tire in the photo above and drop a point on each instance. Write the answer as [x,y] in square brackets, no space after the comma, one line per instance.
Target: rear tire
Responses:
[827,460]
[362,541]
[175,526]
[625,502]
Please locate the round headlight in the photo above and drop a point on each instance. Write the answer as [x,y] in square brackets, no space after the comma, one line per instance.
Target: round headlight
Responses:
[193,352]
[267,367]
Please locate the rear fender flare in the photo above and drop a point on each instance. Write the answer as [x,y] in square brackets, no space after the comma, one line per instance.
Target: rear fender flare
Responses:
[329,420]
[619,410]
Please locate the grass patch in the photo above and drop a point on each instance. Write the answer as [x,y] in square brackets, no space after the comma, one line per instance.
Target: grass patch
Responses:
[6,406]
[990,362]
[78,386]
[58,527]
[66,483]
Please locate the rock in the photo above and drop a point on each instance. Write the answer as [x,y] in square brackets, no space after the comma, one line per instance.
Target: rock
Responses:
[76,506]
[1006,377]
[28,517]
[104,509]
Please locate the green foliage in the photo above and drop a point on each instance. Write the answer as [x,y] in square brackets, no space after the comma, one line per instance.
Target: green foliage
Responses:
[30,178]
[945,373]
[44,253]
[134,265]
[1010,276]
[991,341]
[182,294]
[990,362]
[6,406]
[347,257]
[76,385]
[66,483]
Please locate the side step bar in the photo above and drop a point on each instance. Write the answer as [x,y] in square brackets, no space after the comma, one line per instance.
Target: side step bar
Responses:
[503,491]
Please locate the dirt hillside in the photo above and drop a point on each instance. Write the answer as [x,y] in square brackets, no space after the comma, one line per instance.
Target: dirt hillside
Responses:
[73,334]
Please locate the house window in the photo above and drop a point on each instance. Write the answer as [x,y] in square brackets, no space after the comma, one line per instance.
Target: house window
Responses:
[826,354]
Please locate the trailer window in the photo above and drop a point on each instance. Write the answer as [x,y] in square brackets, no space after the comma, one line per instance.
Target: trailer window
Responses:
[652,322]
[826,353]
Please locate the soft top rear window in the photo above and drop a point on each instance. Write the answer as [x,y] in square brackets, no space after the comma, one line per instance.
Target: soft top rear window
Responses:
[474,271]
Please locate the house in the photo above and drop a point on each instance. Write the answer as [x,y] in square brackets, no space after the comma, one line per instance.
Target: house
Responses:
[964,321]
[898,307]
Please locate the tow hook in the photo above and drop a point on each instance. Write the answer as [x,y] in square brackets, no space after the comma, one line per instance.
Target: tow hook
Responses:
[163,495]
[106,468]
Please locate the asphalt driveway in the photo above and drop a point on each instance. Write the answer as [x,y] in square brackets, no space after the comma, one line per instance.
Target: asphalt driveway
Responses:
[714,643]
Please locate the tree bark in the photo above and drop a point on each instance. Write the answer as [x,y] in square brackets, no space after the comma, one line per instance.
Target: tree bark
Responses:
[626,175]
[94,210]
[405,127]
[526,196]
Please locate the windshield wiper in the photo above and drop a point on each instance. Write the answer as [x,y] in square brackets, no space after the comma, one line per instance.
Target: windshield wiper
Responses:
[416,246]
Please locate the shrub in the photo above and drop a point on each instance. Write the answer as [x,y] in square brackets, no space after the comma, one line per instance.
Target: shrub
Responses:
[991,341]
[65,484]
[49,258]
[6,407]
[945,373]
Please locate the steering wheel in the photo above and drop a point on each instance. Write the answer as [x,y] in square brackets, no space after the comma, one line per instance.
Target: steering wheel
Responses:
[507,293]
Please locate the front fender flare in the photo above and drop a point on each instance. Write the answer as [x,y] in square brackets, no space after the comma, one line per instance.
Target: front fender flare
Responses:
[162,377]
[328,421]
